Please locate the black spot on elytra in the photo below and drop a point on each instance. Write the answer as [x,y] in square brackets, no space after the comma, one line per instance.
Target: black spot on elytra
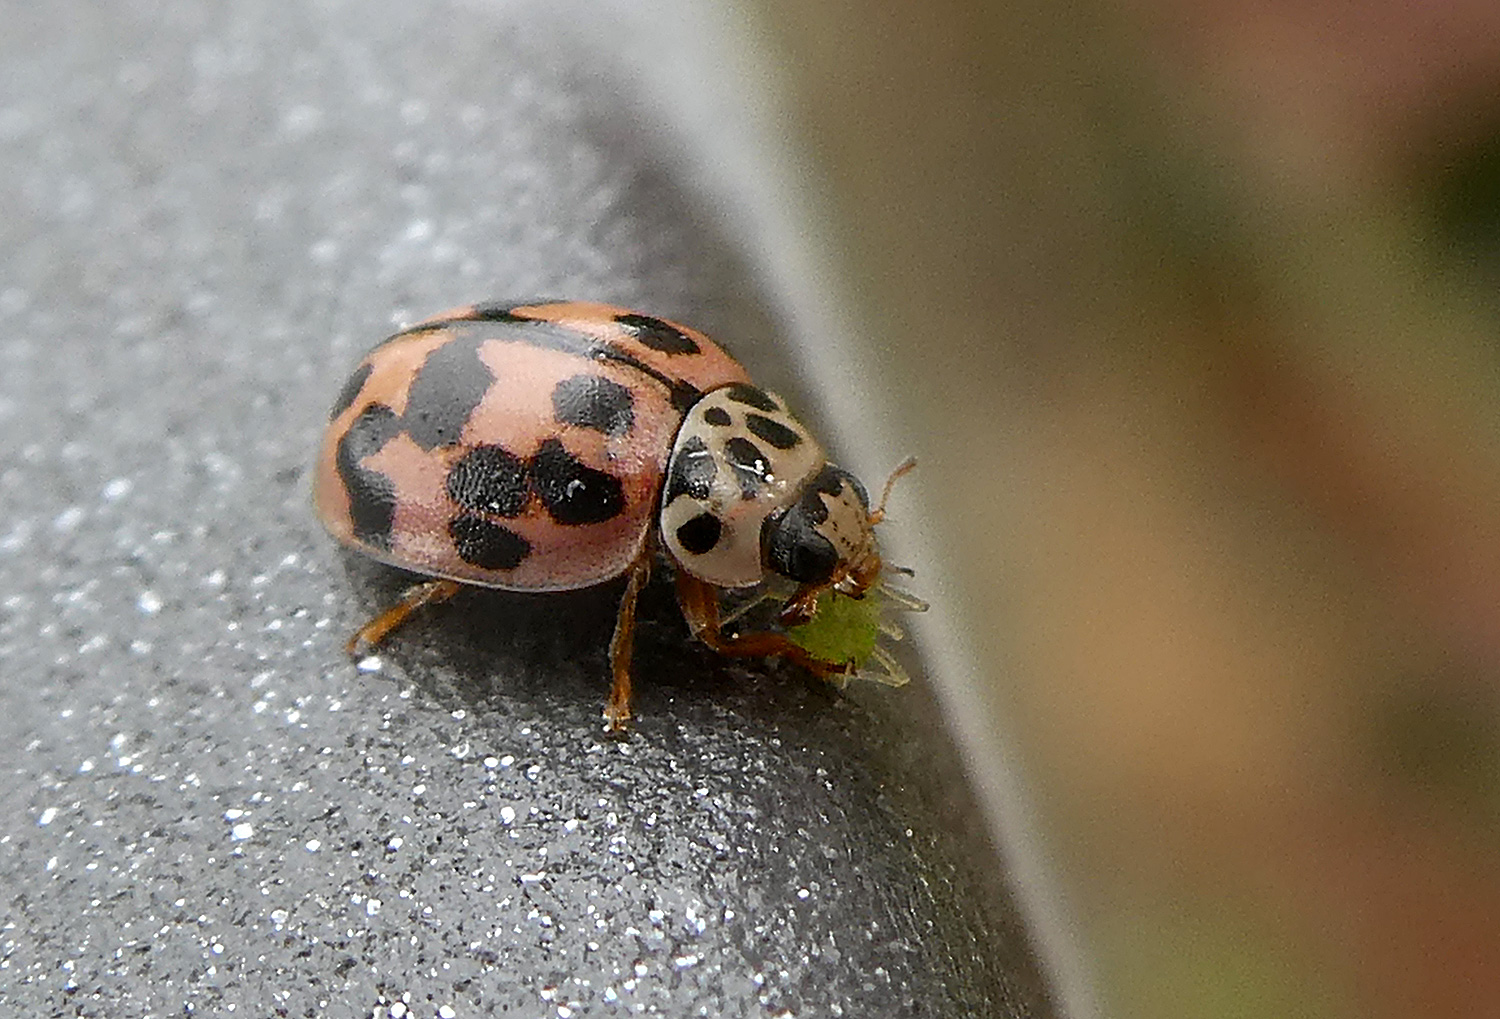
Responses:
[493,312]
[500,322]
[351,389]
[367,434]
[372,506]
[749,463]
[570,340]
[372,495]
[573,492]
[683,395]
[448,387]
[658,335]
[490,480]
[593,401]
[774,432]
[487,545]
[691,472]
[504,311]
[718,417]
[700,534]
[739,392]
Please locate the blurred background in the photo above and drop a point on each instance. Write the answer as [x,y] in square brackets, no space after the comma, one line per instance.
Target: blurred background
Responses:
[1192,312]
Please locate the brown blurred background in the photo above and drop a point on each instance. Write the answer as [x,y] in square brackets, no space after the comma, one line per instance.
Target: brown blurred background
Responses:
[1197,310]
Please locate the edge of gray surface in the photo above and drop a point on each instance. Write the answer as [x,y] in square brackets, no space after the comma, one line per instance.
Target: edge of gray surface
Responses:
[768,198]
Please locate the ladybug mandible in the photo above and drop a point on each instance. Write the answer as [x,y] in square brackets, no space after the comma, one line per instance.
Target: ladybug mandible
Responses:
[556,445]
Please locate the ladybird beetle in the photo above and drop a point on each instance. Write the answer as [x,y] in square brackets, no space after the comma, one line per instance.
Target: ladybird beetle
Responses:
[557,445]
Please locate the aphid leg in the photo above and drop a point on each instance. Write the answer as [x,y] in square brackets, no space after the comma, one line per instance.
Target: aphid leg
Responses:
[749,605]
[903,599]
[622,645]
[700,606]
[376,630]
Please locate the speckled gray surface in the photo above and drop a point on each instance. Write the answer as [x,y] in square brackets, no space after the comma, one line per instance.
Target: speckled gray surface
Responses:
[206,213]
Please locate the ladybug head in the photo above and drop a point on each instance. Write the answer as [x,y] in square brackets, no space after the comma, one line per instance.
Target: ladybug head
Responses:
[748,492]
[826,538]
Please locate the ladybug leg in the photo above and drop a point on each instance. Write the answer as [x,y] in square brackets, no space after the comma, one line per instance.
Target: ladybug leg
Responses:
[802,606]
[376,630]
[700,606]
[622,645]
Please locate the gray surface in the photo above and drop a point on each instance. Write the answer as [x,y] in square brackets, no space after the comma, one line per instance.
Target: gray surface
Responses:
[205,215]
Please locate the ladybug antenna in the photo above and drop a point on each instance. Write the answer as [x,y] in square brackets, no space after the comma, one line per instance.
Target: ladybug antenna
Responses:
[904,467]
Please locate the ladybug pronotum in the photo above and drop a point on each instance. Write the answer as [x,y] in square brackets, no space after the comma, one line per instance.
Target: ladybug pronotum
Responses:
[557,445]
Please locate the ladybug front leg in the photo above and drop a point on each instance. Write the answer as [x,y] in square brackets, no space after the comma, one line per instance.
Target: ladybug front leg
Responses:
[622,644]
[700,606]
[426,593]
[802,606]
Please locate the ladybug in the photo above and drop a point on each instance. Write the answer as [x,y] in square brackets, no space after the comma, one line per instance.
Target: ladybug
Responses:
[558,445]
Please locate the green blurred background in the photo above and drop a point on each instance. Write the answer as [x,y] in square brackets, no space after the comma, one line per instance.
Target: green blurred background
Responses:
[1195,307]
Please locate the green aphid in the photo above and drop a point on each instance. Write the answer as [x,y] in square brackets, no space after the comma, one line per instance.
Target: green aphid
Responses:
[849,630]
[842,629]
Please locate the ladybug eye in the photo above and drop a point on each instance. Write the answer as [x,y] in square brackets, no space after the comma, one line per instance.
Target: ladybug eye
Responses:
[793,547]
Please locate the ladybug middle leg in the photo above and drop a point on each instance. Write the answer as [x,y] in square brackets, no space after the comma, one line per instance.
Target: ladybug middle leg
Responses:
[700,606]
[428,592]
[622,644]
